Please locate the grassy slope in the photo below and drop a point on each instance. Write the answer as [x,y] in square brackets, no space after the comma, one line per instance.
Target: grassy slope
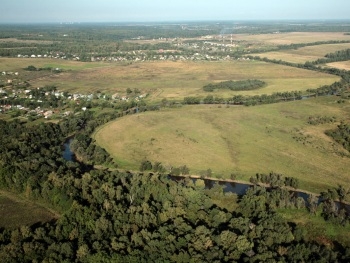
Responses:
[243,140]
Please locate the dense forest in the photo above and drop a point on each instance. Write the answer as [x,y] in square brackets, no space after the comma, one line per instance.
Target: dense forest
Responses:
[119,216]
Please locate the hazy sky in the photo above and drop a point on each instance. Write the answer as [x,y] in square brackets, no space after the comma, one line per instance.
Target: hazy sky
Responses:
[29,11]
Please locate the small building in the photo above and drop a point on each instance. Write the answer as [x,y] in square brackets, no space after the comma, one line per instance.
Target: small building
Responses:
[48,114]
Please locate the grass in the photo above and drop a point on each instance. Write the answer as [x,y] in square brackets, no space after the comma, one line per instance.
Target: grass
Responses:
[292,38]
[16,211]
[44,77]
[15,40]
[301,55]
[340,65]
[240,140]
[175,80]
[17,64]
[317,228]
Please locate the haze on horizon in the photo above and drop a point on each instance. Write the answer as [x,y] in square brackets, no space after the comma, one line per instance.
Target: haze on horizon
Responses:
[42,11]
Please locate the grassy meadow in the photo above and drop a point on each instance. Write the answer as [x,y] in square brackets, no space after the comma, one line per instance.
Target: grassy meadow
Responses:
[18,64]
[44,77]
[292,37]
[340,65]
[304,54]
[318,229]
[175,80]
[239,140]
[16,211]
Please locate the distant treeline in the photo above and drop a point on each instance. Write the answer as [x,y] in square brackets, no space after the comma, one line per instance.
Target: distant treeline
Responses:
[106,39]
[300,45]
[342,55]
[311,65]
[334,89]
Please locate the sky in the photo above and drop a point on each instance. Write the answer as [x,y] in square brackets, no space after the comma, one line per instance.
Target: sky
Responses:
[43,11]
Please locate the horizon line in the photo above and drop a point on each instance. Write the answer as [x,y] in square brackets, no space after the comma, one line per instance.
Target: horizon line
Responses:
[181,21]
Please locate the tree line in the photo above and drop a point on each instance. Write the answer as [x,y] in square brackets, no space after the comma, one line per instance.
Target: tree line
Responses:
[238,85]
[132,217]
[341,135]
[112,215]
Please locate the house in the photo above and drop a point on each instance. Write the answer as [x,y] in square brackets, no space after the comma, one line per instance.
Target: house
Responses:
[48,114]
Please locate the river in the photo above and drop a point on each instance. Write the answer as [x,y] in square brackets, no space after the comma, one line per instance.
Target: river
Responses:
[241,188]
[228,187]
[67,153]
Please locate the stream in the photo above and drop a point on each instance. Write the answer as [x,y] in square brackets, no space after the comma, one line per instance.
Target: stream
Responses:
[228,187]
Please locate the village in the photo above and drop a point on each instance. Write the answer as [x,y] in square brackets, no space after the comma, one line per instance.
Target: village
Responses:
[209,48]
[19,100]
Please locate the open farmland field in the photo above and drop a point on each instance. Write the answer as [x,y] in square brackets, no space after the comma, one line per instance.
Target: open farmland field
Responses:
[27,41]
[240,140]
[293,37]
[340,65]
[15,211]
[301,55]
[18,65]
[175,80]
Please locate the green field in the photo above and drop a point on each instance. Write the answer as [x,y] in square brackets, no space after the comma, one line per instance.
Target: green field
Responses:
[240,140]
[318,229]
[19,64]
[301,55]
[175,80]
[16,211]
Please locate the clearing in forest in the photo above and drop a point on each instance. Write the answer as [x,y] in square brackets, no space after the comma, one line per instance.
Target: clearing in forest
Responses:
[16,211]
